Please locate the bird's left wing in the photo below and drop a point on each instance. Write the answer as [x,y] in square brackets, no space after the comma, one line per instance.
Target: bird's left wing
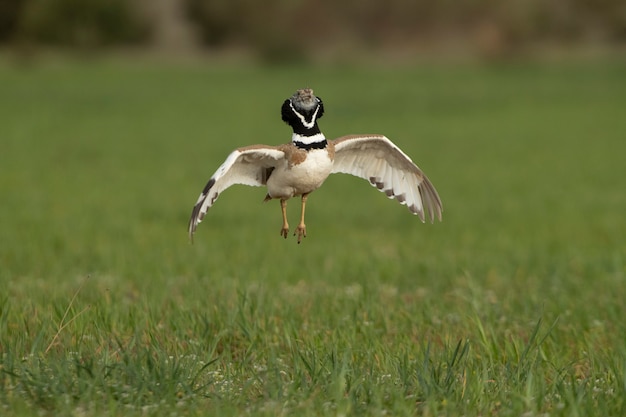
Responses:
[378,160]
[251,165]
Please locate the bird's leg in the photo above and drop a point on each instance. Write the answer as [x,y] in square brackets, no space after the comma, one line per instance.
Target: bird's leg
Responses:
[283,207]
[301,229]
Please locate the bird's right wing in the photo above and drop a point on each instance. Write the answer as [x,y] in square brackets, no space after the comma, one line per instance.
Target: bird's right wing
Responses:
[250,165]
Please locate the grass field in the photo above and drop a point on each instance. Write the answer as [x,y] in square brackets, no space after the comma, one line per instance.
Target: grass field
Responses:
[513,305]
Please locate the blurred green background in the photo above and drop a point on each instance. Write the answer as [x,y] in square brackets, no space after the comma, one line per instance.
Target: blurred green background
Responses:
[103,98]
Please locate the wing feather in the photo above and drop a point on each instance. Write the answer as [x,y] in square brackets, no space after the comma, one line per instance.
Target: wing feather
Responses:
[250,165]
[378,160]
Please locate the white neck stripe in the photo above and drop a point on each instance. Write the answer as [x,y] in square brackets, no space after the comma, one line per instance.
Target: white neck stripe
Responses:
[306,124]
[307,140]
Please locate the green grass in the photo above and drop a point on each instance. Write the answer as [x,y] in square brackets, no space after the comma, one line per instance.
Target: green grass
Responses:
[514,305]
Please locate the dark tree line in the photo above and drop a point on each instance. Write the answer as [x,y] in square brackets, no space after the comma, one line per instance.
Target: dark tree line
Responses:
[294,26]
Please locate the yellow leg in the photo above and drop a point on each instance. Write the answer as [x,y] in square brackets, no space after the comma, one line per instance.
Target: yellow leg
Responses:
[283,207]
[301,229]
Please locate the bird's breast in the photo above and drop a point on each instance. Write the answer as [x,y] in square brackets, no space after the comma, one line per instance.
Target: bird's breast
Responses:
[301,175]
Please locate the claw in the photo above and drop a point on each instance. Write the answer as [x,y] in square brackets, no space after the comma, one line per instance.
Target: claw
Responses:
[300,232]
[284,231]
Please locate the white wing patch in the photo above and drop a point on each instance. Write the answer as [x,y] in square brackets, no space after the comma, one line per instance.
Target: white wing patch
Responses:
[379,161]
[246,166]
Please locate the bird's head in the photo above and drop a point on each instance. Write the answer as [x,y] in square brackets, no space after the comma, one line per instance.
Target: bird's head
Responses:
[301,111]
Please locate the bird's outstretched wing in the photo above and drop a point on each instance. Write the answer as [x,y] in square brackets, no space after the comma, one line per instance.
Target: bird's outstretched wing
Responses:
[251,165]
[376,159]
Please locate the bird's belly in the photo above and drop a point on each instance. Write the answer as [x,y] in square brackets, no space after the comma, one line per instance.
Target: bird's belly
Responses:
[288,181]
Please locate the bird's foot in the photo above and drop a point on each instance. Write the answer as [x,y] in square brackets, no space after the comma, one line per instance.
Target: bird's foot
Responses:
[300,232]
[284,231]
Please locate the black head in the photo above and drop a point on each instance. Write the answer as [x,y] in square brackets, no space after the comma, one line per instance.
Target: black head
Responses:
[301,112]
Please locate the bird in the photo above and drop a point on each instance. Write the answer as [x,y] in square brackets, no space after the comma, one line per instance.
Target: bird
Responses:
[301,166]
